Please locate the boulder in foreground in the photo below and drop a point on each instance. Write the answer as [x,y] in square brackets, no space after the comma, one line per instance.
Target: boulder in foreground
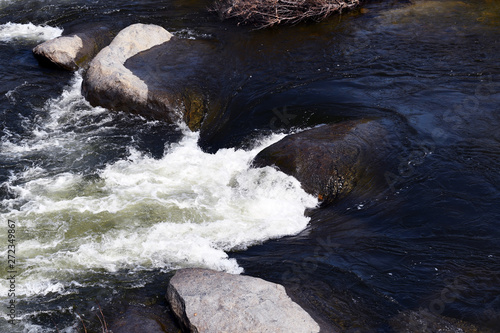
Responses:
[207,301]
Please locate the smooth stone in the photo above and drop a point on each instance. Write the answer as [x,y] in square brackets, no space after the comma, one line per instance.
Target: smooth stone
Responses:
[330,160]
[108,83]
[74,51]
[139,319]
[207,301]
[183,76]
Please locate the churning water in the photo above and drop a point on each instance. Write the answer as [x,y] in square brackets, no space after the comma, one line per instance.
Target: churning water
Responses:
[137,213]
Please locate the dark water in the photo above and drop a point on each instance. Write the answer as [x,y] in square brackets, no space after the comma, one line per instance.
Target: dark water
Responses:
[427,241]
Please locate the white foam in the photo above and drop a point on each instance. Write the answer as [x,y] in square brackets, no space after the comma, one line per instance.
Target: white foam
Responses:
[53,136]
[17,31]
[186,209]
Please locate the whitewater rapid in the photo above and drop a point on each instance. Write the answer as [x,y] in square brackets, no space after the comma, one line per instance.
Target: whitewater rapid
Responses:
[28,32]
[186,209]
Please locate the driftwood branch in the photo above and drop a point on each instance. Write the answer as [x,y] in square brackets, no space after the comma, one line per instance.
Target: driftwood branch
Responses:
[267,13]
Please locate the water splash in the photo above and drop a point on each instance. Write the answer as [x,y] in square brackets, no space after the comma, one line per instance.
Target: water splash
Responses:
[185,209]
[16,31]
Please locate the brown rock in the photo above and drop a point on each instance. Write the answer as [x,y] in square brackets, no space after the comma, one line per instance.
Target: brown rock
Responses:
[330,160]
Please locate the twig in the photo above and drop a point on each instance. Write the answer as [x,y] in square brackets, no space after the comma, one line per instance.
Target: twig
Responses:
[105,326]
[80,317]
[100,320]
[55,325]
[267,13]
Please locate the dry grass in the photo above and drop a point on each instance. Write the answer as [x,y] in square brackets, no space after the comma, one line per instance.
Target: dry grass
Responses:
[267,13]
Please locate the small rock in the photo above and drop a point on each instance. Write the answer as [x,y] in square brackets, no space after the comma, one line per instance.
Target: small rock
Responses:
[140,319]
[74,51]
[207,301]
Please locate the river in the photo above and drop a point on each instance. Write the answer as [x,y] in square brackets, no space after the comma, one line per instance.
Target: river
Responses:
[104,205]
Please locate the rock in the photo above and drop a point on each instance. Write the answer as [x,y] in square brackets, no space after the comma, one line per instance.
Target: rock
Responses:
[330,160]
[147,71]
[139,319]
[110,84]
[183,76]
[140,72]
[74,51]
[207,301]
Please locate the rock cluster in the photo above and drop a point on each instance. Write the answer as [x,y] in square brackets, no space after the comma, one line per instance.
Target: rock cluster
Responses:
[144,70]
[147,71]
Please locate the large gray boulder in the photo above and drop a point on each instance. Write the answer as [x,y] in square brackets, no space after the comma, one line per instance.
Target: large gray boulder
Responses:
[331,160]
[147,71]
[207,301]
[73,51]
[108,83]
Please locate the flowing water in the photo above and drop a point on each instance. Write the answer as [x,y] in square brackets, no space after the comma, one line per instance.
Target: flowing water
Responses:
[106,205]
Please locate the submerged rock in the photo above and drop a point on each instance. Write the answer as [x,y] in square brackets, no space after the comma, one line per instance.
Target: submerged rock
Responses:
[423,320]
[330,160]
[210,301]
[183,76]
[74,51]
[140,318]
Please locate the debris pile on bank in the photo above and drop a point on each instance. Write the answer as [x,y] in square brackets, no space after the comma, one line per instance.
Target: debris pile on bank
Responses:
[267,13]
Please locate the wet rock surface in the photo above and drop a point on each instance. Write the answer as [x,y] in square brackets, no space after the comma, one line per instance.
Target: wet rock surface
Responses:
[148,71]
[330,160]
[151,319]
[186,75]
